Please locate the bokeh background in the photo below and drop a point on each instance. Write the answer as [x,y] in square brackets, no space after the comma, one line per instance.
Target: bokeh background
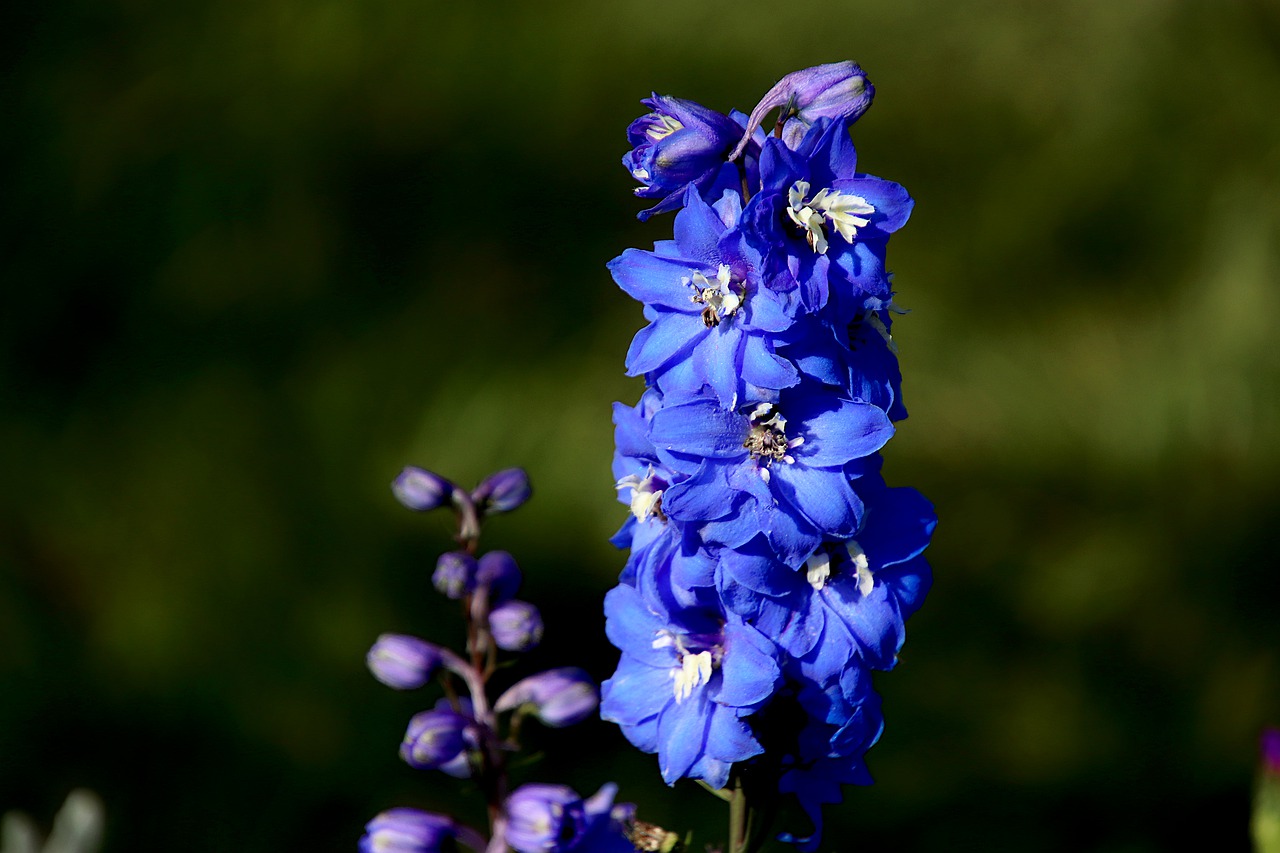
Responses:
[259,254]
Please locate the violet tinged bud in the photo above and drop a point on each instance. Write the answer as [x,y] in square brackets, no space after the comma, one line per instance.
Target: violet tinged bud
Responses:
[439,739]
[405,830]
[502,492]
[402,661]
[516,626]
[832,91]
[498,571]
[557,697]
[545,819]
[455,574]
[421,490]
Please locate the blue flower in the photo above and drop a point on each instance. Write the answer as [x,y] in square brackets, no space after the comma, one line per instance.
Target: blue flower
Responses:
[817,215]
[678,145]
[849,598]
[712,316]
[843,721]
[781,470]
[684,682]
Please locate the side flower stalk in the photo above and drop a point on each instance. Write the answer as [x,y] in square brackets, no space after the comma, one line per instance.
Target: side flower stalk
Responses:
[771,568]
[463,733]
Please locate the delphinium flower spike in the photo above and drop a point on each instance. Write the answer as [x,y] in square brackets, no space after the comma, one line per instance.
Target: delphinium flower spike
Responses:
[462,734]
[771,568]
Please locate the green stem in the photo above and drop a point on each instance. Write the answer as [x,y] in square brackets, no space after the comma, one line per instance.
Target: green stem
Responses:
[737,817]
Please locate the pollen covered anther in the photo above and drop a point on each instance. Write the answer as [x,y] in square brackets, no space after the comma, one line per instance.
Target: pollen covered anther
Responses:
[719,296]
[767,439]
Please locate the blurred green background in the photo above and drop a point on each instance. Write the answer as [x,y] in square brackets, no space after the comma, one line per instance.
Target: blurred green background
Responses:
[259,254]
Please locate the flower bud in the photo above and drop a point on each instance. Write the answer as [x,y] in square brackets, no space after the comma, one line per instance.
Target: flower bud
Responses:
[406,830]
[516,626]
[439,739]
[837,90]
[502,492]
[678,144]
[455,574]
[498,571]
[557,697]
[421,490]
[402,661]
[545,819]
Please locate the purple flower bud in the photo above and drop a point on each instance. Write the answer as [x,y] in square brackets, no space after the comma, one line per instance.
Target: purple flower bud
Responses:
[545,819]
[516,626]
[502,492]
[557,697]
[455,574]
[421,490]
[439,739]
[409,831]
[1271,751]
[403,662]
[832,91]
[498,571]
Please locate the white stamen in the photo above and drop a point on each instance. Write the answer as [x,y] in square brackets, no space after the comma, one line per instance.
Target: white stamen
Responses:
[640,174]
[664,127]
[721,299]
[845,211]
[859,557]
[694,671]
[646,501]
[818,569]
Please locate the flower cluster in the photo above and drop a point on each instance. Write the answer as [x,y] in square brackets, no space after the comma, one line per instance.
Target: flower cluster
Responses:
[461,734]
[771,568]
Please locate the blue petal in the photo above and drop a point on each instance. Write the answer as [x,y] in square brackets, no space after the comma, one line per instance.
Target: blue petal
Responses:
[682,734]
[850,430]
[635,692]
[668,336]
[729,740]
[761,367]
[719,362]
[749,669]
[823,496]
[698,229]
[656,280]
[701,429]
[632,625]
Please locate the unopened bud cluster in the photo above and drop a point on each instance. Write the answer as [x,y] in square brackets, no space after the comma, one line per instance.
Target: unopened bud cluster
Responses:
[468,735]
